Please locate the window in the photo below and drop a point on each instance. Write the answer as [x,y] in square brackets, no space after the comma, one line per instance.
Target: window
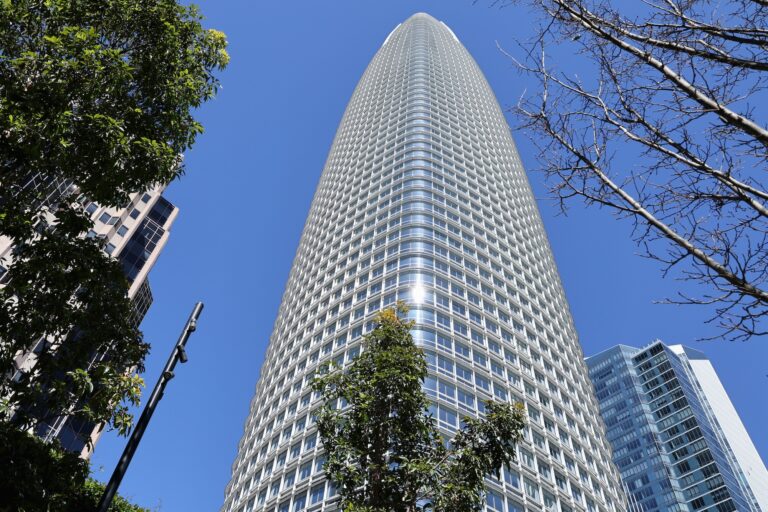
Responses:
[526,457]
[462,349]
[316,494]
[463,373]
[299,503]
[447,416]
[106,218]
[494,501]
[289,479]
[576,493]
[122,230]
[562,483]
[466,400]
[443,341]
[445,364]
[500,392]
[305,471]
[512,478]
[550,502]
[544,469]
[448,390]
[532,489]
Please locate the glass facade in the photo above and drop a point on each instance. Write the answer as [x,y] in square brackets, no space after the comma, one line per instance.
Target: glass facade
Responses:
[423,198]
[668,444]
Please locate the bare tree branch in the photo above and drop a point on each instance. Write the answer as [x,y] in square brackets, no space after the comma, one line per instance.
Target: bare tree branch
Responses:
[660,127]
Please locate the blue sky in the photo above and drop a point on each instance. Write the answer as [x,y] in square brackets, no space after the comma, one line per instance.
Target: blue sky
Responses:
[249,183]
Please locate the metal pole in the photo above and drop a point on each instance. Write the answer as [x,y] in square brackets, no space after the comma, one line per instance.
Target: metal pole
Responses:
[178,354]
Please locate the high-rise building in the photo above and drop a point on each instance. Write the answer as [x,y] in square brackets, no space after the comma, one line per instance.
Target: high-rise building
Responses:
[423,198]
[677,440]
[134,234]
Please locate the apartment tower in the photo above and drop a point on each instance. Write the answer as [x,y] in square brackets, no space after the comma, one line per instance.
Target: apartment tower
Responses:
[677,439]
[134,234]
[424,198]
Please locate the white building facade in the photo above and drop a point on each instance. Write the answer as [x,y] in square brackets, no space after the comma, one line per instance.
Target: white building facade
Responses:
[424,198]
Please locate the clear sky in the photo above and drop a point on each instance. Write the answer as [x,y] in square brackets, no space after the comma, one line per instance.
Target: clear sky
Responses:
[250,179]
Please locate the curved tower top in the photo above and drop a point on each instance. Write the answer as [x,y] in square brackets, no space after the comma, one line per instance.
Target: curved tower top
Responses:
[423,198]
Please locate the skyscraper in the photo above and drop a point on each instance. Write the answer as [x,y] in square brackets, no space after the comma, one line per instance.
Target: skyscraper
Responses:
[677,440]
[423,198]
[134,234]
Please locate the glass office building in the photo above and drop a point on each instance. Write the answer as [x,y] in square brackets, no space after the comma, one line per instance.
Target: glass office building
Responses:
[677,440]
[424,198]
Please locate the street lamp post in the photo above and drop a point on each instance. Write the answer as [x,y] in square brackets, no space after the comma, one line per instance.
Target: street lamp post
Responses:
[178,354]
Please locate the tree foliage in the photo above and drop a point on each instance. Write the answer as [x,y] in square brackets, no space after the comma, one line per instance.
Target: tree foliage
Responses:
[101,93]
[384,451]
[36,476]
[664,124]
[68,377]
[96,99]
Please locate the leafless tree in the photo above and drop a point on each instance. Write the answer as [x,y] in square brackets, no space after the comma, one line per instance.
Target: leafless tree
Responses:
[662,126]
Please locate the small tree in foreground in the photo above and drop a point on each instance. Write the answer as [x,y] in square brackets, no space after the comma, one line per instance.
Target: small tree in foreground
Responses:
[384,451]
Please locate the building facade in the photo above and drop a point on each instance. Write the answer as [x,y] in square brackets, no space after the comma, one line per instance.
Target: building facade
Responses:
[423,198]
[677,440]
[135,234]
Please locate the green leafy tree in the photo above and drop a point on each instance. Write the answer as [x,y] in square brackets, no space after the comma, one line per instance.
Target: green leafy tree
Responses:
[90,494]
[54,480]
[37,311]
[384,451]
[96,101]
